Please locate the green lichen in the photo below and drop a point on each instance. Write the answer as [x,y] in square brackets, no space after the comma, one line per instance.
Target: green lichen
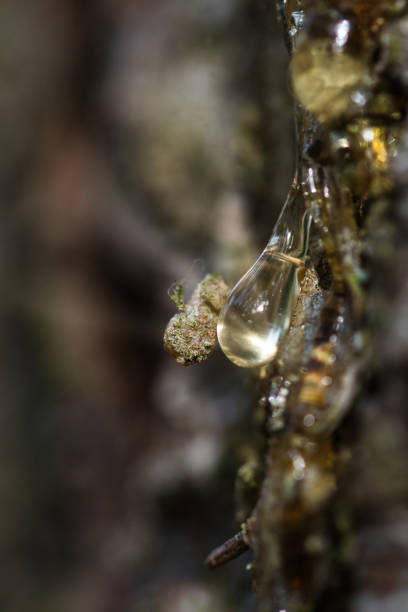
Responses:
[191,335]
[176,293]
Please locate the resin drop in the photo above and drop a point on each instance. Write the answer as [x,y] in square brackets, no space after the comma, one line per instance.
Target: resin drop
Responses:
[259,308]
[328,64]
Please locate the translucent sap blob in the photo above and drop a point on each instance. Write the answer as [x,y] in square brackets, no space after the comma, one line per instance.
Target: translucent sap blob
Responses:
[259,308]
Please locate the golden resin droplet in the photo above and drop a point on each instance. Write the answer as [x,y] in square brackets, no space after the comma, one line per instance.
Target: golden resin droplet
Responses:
[323,82]
[259,309]
[328,64]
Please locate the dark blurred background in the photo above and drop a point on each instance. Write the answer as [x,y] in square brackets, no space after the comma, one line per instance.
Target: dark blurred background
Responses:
[142,142]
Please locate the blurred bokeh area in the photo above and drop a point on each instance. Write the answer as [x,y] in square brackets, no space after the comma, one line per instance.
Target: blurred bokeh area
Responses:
[142,143]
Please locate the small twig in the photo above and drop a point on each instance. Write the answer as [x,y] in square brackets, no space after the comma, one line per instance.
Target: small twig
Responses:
[232,548]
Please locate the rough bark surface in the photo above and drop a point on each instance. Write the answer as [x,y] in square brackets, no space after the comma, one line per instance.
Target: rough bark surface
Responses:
[139,138]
